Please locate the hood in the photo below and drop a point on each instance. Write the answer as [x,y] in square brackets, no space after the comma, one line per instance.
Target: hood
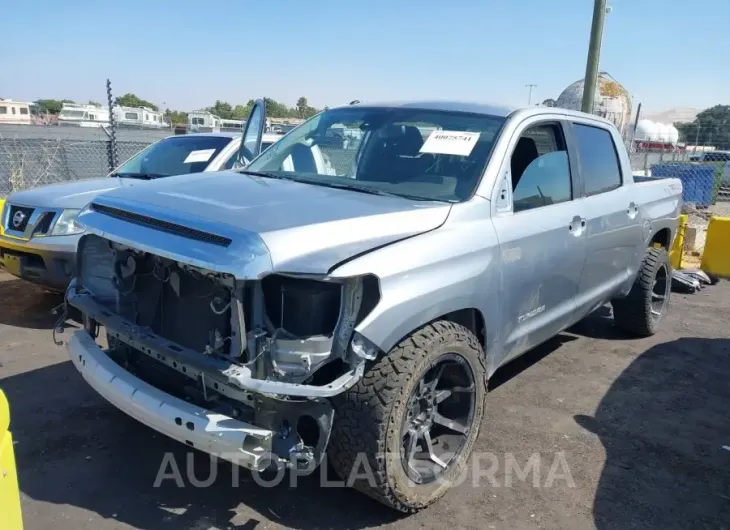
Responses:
[303,228]
[75,194]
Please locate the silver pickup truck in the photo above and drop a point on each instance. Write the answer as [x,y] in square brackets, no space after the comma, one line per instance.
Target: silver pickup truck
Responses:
[39,232]
[276,314]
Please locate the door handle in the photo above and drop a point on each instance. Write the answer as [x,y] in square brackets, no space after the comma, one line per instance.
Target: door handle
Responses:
[577,226]
[633,210]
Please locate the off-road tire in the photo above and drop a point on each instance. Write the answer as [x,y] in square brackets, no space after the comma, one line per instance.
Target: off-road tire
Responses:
[633,313]
[369,416]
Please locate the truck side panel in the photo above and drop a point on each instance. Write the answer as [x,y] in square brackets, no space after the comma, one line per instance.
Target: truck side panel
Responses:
[420,280]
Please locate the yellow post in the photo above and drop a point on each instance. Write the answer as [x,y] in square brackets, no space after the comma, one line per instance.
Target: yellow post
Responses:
[10,515]
[675,254]
[716,255]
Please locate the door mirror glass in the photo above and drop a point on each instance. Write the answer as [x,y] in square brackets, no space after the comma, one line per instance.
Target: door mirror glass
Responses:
[252,133]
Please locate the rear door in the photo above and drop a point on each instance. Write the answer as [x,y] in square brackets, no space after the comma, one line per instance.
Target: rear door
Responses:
[540,234]
[613,229]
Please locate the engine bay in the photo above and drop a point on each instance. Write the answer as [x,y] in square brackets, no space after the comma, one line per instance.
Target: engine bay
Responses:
[284,326]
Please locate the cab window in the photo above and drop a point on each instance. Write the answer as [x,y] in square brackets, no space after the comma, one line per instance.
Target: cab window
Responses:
[598,159]
[540,168]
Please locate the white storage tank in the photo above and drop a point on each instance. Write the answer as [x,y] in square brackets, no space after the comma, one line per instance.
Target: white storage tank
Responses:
[611,100]
[646,131]
[673,135]
[664,132]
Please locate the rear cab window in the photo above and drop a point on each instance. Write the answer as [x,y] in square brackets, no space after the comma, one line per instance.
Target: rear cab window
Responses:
[598,157]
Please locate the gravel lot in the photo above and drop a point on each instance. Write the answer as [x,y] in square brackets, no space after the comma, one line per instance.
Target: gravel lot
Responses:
[642,424]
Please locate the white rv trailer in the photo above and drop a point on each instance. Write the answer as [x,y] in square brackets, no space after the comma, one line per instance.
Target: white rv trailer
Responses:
[141,117]
[14,112]
[83,115]
[203,121]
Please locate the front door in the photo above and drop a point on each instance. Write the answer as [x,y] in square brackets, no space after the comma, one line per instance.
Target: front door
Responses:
[541,239]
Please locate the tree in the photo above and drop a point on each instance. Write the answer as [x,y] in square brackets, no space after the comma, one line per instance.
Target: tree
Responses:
[549,103]
[222,109]
[710,127]
[241,112]
[131,100]
[176,117]
[95,103]
[51,106]
[302,106]
[309,112]
[275,109]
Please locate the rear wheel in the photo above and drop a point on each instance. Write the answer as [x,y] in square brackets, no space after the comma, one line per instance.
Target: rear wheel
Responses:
[408,427]
[643,309]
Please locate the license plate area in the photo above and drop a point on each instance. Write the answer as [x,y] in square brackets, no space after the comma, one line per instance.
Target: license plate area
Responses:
[13,263]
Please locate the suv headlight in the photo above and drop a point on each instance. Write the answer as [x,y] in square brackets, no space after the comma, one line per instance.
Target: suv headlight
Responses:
[67,224]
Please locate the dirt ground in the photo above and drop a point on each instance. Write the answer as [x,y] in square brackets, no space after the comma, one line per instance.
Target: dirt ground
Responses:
[641,425]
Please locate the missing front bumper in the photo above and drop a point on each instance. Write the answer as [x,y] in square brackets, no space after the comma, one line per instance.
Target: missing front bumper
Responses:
[225,437]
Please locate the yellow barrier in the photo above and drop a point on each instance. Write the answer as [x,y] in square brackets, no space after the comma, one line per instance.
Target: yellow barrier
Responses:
[10,515]
[2,203]
[675,255]
[716,255]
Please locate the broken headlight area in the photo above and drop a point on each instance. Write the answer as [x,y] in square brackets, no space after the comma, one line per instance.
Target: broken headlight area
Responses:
[281,328]
[234,342]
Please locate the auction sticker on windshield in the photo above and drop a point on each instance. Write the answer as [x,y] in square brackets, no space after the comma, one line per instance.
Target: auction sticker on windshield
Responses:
[203,155]
[450,143]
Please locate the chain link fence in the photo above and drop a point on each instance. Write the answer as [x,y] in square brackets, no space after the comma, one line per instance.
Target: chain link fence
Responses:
[34,156]
[701,160]
[704,182]
[27,163]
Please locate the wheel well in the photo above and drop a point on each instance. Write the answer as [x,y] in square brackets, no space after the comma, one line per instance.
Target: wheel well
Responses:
[470,318]
[662,237]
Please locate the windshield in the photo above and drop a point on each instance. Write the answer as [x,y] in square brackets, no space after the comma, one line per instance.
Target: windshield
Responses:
[176,155]
[426,154]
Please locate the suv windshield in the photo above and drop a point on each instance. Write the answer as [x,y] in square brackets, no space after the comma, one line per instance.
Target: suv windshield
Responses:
[423,154]
[176,155]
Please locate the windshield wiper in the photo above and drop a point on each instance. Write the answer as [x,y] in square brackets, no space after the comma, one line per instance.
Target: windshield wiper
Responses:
[264,174]
[369,191]
[141,176]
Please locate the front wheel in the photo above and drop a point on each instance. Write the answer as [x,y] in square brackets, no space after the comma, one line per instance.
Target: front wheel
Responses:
[406,430]
[644,308]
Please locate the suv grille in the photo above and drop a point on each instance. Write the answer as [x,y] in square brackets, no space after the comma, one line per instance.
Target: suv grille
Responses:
[18,218]
[165,226]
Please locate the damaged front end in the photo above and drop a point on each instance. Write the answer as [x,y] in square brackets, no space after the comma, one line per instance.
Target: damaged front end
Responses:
[267,351]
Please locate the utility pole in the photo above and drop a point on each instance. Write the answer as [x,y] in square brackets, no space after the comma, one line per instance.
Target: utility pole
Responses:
[529,94]
[697,136]
[594,55]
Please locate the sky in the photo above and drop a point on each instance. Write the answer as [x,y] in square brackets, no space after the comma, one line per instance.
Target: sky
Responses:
[185,54]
